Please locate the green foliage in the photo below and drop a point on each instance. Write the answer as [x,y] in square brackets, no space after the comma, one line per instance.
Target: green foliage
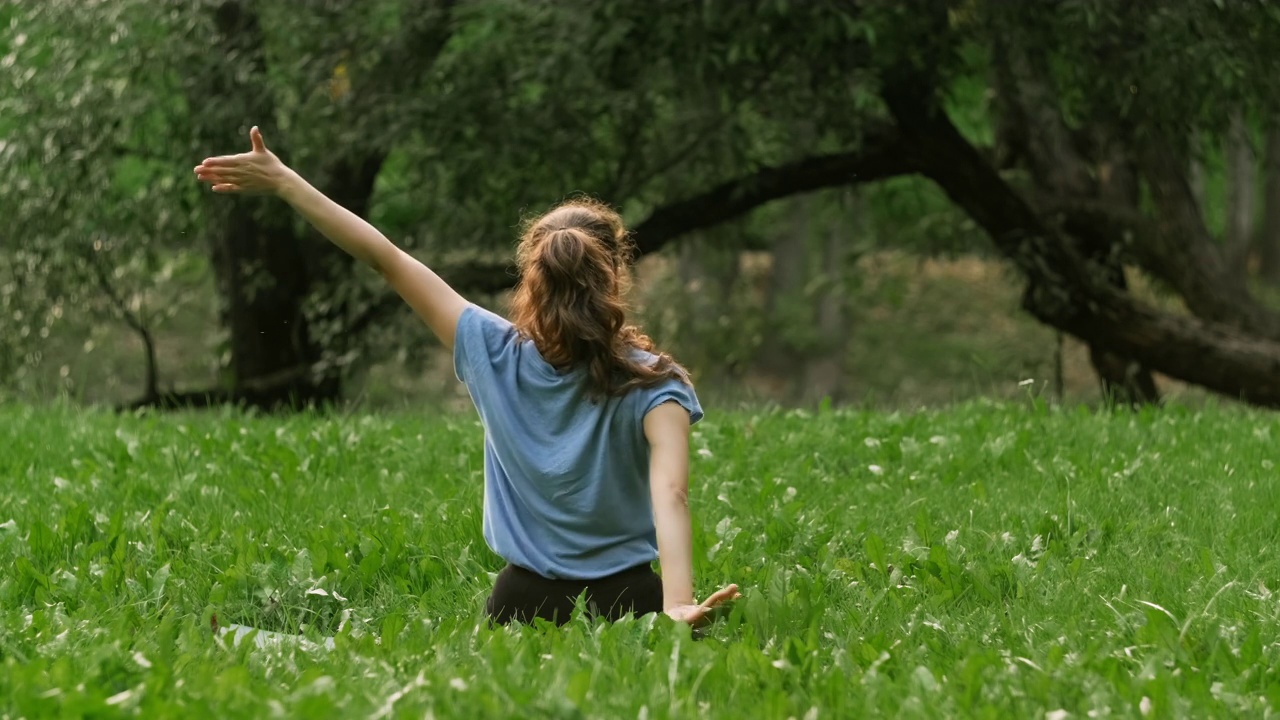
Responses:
[105,106]
[524,104]
[88,185]
[988,561]
[1168,69]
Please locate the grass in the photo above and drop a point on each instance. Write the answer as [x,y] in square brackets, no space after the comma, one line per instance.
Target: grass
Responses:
[991,560]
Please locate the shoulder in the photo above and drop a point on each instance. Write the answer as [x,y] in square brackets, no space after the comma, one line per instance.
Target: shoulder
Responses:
[650,359]
[476,318]
[677,390]
[644,357]
[481,334]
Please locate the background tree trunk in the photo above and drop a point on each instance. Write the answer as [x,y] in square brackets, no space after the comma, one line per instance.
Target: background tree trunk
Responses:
[1196,174]
[824,371]
[785,306]
[1269,237]
[263,271]
[1241,195]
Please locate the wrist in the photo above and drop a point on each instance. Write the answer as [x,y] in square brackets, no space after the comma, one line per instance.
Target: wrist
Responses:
[287,183]
[676,600]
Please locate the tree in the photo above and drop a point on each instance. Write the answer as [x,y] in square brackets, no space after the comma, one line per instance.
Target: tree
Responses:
[438,118]
[76,183]
[482,107]
[159,91]
[1230,344]
[1089,174]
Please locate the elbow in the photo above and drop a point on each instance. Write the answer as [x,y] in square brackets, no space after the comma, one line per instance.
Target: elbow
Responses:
[675,496]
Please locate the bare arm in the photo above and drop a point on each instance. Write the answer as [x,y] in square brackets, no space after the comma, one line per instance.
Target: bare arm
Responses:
[260,171]
[667,429]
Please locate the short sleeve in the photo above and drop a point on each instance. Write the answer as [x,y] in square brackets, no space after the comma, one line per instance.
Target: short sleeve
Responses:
[479,335]
[673,390]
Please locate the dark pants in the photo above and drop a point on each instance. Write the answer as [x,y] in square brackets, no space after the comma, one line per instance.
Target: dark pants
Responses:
[521,595]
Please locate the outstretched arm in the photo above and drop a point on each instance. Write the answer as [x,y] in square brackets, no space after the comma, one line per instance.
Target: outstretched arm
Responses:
[260,171]
[667,429]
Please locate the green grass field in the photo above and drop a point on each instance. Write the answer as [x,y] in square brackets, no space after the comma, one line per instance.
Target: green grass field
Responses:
[984,561]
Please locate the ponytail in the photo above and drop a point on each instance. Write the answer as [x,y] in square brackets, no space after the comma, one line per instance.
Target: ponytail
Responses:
[570,300]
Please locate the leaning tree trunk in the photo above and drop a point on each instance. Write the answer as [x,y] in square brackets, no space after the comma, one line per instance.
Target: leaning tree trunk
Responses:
[1124,380]
[1034,130]
[1062,291]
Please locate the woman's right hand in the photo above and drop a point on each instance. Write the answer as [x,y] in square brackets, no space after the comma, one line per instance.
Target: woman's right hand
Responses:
[699,615]
[258,171]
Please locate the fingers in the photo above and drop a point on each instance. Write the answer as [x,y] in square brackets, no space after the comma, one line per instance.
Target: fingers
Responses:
[217,178]
[210,171]
[722,595]
[218,181]
[701,614]
[255,137]
[223,161]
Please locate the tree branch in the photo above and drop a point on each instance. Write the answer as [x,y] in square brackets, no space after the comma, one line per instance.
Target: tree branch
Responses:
[882,157]
[130,319]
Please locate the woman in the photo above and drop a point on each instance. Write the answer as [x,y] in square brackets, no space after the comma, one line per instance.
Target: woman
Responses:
[586,429]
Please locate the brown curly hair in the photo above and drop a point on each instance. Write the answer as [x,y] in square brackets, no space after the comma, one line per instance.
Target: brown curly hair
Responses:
[573,263]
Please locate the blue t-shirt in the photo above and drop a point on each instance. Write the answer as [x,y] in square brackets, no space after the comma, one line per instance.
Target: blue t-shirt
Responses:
[566,478]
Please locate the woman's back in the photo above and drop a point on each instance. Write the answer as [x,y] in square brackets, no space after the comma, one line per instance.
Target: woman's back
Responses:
[566,473]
